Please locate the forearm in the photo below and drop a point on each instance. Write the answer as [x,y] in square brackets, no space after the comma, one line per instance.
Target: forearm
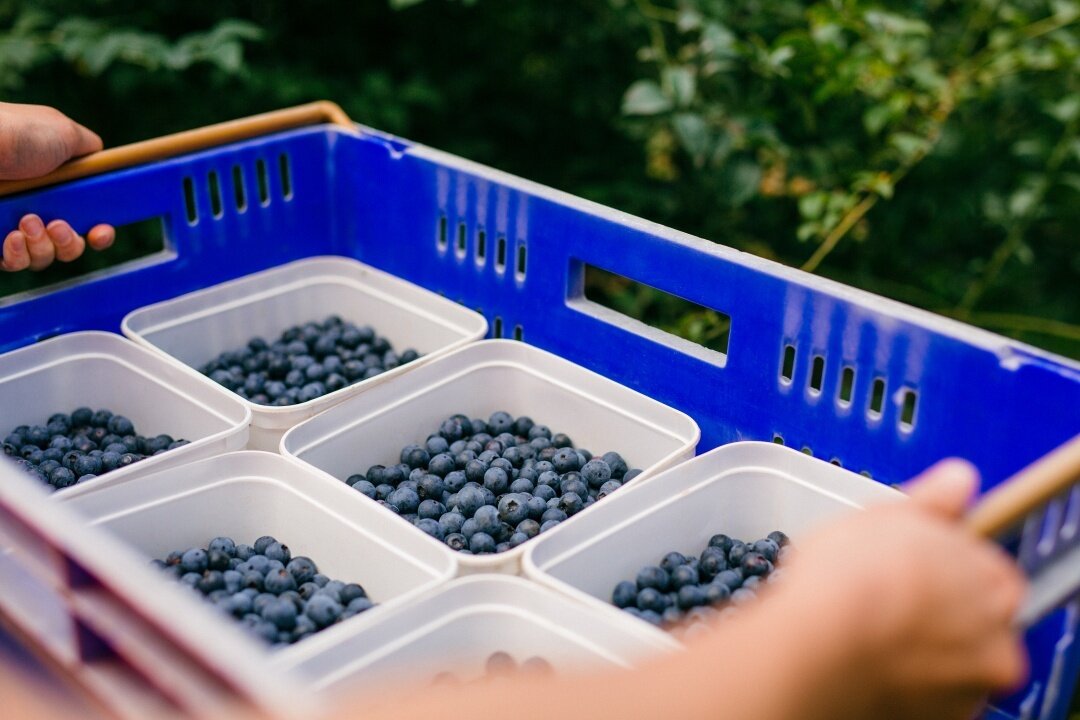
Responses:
[776,661]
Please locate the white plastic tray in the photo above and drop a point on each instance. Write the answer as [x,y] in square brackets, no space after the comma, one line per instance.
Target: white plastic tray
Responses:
[477,380]
[195,328]
[102,370]
[459,627]
[744,490]
[248,494]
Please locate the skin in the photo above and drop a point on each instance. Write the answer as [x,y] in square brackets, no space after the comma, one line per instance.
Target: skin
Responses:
[894,613]
[35,140]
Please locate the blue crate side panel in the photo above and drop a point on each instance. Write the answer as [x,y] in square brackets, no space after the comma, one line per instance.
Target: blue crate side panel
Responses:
[997,403]
[209,251]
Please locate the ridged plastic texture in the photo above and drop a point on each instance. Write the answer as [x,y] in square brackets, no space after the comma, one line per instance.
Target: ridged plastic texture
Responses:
[598,414]
[421,214]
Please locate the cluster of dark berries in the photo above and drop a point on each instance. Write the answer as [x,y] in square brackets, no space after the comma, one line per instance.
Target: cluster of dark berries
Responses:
[692,589]
[306,362]
[500,664]
[281,598]
[71,448]
[488,486]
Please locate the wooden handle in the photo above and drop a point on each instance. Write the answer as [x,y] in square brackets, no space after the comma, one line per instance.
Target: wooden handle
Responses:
[1008,504]
[187,141]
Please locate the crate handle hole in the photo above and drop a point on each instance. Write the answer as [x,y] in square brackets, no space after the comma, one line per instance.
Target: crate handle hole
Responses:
[481,246]
[778,438]
[286,176]
[500,254]
[787,366]
[189,202]
[877,397]
[519,332]
[459,247]
[496,327]
[519,272]
[441,240]
[263,181]
[847,386]
[645,306]
[239,196]
[817,373]
[907,409]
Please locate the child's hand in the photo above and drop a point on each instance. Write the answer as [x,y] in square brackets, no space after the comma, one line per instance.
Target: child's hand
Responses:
[924,609]
[35,140]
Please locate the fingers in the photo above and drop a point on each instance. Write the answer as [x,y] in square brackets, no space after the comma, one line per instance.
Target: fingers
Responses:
[67,243]
[101,237]
[85,141]
[16,257]
[945,488]
[38,243]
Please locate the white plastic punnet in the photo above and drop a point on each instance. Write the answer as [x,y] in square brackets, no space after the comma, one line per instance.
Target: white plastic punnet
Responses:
[195,328]
[744,490]
[104,371]
[597,413]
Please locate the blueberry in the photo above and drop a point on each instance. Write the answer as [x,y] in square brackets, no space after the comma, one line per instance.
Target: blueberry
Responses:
[431,527]
[512,510]
[431,510]
[359,605]
[87,465]
[630,475]
[194,560]
[453,482]
[496,480]
[481,543]
[430,487]
[566,460]
[211,581]
[364,486]
[469,528]
[128,459]
[405,500]
[672,560]
[191,579]
[217,560]
[456,541]
[487,520]
[518,538]
[743,596]
[544,492]
[754,563]
[596,473]
[738,550]
[716,593]
[234,581]
[302,569]
[572,483]
[625,594]
[500,422]
[651,599]
[690,596]
[244,552]
[451,522]
[779,538]
[711,563]
[323,610]
[654,577]
[768,548]
[536,506]
[733,579]
[279,581]
[415,456]
[470,499]
[82,417]
[683,575]
[554,513]
[561,441]
[571,503]
[607,488]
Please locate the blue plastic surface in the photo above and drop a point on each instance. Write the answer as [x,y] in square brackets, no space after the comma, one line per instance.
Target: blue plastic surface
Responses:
[391,204]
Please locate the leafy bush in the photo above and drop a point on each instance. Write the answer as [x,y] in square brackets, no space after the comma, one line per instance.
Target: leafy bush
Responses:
[927,151]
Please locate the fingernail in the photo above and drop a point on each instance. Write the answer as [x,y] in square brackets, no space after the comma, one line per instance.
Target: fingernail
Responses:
[61,236]
[33,226]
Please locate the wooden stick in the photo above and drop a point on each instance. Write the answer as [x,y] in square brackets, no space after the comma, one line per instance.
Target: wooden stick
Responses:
[187,141]
[1008,504]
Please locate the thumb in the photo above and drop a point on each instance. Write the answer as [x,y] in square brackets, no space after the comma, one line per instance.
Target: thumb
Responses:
[86,141]
[945,488]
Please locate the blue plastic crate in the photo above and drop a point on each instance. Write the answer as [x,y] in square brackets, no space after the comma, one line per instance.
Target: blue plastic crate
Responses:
[420,214]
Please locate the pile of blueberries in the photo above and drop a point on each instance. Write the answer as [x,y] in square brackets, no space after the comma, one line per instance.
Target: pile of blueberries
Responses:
[280,598]
[500,664]
[305,362]
[693,589]
[488,486]
[72,448]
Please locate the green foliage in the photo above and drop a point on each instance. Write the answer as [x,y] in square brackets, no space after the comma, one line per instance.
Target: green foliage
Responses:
[924,150]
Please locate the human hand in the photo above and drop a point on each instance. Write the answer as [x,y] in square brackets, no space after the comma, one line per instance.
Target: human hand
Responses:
[922,610]
[35,140]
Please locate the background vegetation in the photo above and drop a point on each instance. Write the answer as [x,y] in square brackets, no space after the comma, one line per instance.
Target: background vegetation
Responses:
[927,150]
